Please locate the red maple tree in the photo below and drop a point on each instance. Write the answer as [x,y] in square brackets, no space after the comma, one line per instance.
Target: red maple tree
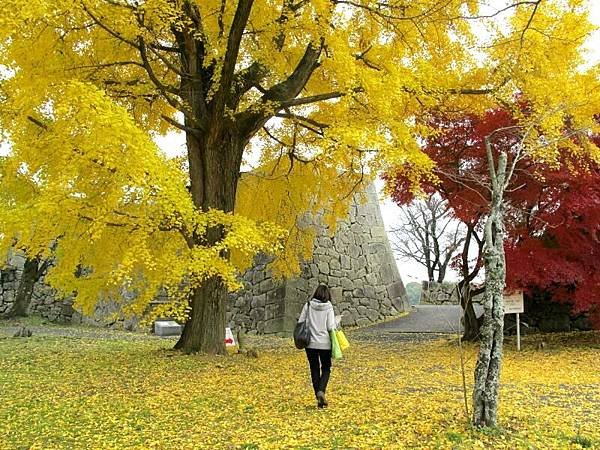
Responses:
[553,220]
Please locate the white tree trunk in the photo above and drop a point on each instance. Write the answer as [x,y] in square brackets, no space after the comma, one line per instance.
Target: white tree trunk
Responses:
[489,361]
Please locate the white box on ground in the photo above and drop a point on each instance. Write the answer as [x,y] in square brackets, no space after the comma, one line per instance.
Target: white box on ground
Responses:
[229,339]
[167,328]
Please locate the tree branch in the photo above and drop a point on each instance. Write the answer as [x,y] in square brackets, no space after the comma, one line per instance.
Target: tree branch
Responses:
[245,80]
[311,99]
[240,19]
[37,122]
[537,4]
[168,63]
[180,126]
[288,115]
[165,89]
[282,93]
[106,28]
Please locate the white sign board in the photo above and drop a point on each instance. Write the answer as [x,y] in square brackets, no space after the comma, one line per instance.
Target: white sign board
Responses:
[513,303]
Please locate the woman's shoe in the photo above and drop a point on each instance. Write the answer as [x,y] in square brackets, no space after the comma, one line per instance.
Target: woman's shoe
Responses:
[321,400]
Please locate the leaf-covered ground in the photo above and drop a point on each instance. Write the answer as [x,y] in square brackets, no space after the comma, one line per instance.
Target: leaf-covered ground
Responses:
[83,393]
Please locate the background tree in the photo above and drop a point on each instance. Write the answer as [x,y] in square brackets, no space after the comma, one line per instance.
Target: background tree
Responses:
[33,269]
[428,234]
[498,144]
[552,245]
[461,170]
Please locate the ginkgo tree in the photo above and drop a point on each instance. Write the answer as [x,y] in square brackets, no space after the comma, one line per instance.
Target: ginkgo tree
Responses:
[86,83]
[317,95]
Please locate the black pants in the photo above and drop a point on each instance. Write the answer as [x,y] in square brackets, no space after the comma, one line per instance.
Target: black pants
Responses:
[320,368]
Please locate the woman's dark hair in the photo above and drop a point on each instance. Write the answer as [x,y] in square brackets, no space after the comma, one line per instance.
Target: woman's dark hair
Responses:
[322,294]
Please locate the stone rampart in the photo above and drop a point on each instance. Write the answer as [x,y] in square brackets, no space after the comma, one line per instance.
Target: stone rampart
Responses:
[356,263]
[446,293]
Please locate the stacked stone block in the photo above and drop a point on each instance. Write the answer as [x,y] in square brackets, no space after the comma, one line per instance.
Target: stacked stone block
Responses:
[446,293]
[8,289]
[44,300]
[433,293]
[46,303]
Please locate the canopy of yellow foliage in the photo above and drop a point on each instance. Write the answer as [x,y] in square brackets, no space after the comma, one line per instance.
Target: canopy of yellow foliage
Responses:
[86,84]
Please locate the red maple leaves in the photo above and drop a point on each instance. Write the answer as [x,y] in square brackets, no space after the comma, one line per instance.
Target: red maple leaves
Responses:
[553,214]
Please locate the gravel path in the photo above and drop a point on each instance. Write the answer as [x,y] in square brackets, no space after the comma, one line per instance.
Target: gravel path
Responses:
[370,336]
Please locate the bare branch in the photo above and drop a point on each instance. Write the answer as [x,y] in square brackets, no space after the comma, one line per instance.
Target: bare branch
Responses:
[110,31]
[165,89]
[105,65]
[245,80]
[362,57]
[165,48]
[240,19]
[276,139]
[178,125]
[429,235]
[535,8]
[37,122]
[311,99]
[172,67]
[497,12]
[308,120]
[282,93]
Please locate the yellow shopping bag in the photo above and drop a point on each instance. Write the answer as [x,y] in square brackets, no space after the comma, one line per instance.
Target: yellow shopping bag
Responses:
[341,337]
[336,351]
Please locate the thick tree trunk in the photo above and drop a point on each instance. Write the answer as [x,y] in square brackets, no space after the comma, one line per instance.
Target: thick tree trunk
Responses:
[471,324]
[31,272]
[214,162]
[217,133]
[489,361]
[205,328]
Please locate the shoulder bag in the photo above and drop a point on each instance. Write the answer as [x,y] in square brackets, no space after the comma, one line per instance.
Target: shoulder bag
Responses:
[302,331]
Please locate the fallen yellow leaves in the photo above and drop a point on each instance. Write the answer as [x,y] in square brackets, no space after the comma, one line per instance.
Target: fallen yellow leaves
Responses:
[76,393]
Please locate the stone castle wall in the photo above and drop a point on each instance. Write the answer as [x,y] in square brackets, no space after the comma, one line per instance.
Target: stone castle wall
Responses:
[433,293]
[46,303]
[446,293]
[43,301]
[356,263]
[9,283]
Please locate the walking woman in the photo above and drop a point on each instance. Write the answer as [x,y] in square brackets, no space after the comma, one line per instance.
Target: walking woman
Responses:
[321,321]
